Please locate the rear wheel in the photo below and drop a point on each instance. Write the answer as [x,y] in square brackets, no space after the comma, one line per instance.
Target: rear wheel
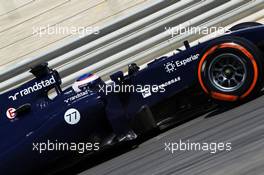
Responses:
[231,69]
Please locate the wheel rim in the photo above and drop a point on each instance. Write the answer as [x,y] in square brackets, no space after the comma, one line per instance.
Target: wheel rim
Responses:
[227,72]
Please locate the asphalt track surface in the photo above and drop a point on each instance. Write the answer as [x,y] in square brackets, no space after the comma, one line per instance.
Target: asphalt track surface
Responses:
[243,126]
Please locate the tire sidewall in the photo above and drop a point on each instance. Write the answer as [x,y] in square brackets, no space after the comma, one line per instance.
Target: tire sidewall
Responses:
[251,48]
[247,81]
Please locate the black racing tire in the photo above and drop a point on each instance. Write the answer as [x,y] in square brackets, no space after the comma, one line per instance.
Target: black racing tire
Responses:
[244,25]
[230,70]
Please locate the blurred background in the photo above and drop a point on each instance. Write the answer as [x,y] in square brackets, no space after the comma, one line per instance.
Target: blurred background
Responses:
[102,36]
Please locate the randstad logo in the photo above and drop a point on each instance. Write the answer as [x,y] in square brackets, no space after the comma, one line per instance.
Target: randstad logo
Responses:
[36,87]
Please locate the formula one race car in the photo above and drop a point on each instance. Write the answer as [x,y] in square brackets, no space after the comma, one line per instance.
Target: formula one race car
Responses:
[41,124]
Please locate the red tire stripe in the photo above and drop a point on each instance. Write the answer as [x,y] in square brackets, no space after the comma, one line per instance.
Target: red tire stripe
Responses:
[222,96]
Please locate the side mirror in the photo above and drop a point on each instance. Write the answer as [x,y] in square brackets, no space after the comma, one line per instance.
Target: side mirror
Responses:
[132,68]
[40,71]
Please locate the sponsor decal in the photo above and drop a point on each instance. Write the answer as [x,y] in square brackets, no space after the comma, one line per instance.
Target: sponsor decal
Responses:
[36,87]
[170,82]
[77,96]
[72,116]
[146,92]
[11,113]
[172,66]
[149,90]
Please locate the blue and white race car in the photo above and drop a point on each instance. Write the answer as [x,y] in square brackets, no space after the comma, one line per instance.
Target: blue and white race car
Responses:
[42,125]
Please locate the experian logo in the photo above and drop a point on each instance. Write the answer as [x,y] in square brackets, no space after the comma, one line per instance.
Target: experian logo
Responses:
[36,87]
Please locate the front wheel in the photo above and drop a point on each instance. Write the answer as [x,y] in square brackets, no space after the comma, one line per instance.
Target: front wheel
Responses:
[231,69]
[245,25]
